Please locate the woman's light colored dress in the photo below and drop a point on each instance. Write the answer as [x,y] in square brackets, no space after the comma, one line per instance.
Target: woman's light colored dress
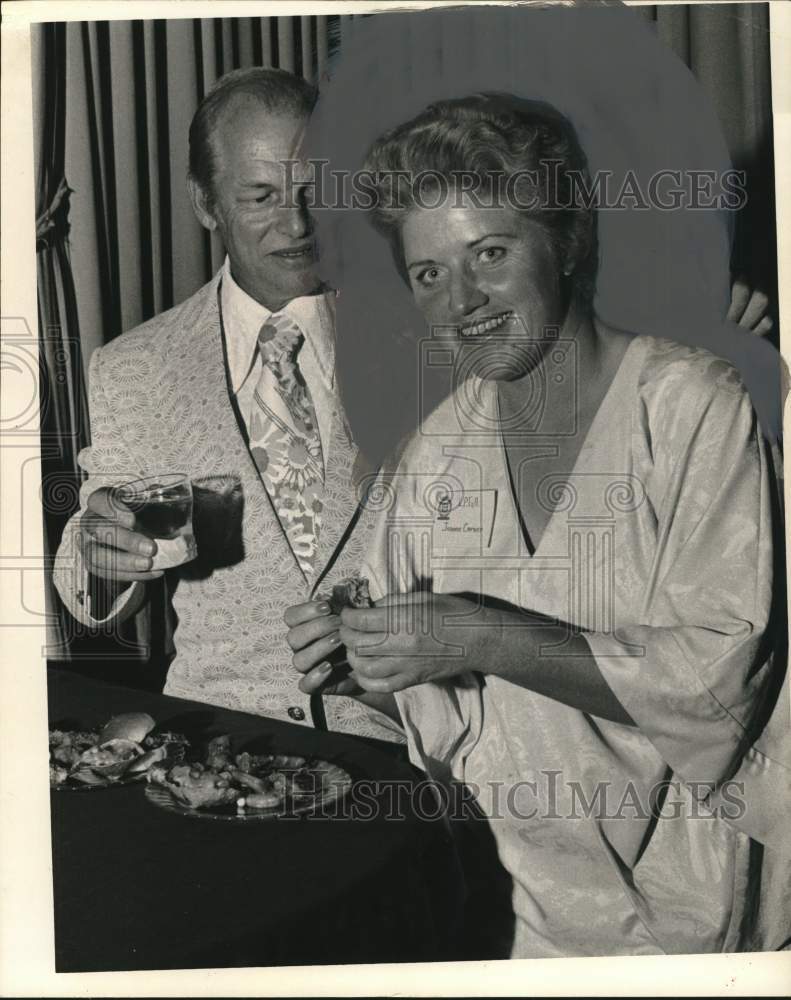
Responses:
[659,546]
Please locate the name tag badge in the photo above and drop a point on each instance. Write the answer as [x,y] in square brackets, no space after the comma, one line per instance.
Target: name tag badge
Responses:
[467,513]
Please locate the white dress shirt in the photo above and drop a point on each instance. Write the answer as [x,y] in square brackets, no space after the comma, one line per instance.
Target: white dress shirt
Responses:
[243,318]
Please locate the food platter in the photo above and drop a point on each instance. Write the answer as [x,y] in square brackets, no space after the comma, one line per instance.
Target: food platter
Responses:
[206,779]
[331,784]
[118,754]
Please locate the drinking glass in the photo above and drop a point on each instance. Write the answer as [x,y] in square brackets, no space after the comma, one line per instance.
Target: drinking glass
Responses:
[162,506]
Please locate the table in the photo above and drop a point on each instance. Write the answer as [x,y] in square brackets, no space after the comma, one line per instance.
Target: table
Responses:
[136,887]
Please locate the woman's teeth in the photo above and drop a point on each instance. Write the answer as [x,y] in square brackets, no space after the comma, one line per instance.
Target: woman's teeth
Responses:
[485,326]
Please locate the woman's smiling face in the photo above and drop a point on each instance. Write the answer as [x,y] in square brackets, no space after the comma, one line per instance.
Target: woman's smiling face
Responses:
[491,275]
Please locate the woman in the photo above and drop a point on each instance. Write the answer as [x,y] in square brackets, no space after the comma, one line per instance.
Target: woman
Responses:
[574,557]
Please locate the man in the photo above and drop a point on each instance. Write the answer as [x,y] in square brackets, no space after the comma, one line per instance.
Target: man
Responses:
[234,386]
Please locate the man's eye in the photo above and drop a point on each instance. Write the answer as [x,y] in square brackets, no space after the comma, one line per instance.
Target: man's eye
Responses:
[491,254]
[263,198]
[429,276]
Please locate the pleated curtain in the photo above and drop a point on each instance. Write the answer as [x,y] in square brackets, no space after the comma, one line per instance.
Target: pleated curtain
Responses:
[64,416]
[726,46]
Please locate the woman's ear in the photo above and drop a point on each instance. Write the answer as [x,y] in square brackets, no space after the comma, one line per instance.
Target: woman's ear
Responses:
[201,204]
[579,244]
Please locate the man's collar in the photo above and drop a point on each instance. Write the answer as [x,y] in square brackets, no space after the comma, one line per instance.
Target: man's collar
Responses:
[243,318]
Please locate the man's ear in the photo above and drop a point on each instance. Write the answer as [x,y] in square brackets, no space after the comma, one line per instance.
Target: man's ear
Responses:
[201,204]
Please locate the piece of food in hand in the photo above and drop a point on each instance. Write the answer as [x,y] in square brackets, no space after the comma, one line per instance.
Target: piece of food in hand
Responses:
[133,726]
[351,592]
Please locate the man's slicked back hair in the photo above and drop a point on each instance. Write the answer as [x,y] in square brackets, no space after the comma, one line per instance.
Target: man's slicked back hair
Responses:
[278,91]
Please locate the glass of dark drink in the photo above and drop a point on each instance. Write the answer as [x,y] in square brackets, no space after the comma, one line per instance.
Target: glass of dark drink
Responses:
[162,506]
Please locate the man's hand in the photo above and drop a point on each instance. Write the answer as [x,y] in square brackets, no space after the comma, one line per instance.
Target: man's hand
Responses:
[749,308]
[112,549]
[315,640]
[411,639]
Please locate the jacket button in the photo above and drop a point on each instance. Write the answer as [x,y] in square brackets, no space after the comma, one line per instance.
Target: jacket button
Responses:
[297,713]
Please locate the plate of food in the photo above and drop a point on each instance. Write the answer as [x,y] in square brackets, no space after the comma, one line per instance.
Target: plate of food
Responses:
[246,786]
[119,753]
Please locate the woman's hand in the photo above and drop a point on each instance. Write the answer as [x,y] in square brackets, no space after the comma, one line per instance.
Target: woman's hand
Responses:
[750,308]
[414,638]
[318,652]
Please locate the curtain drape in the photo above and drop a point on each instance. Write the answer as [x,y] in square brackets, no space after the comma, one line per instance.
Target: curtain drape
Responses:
[64,414]
[726,46]
[119,241]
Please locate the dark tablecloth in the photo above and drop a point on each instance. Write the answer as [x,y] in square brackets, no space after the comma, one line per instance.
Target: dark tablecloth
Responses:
[136,887]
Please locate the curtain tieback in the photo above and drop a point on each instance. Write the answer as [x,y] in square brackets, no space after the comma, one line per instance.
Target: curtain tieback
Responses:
[46,221]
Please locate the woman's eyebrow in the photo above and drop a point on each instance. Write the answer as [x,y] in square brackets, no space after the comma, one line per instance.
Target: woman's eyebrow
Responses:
[489,236]
[470,245]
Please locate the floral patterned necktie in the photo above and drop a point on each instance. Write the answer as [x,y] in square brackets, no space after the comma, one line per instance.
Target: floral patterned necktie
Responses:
[284,438]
